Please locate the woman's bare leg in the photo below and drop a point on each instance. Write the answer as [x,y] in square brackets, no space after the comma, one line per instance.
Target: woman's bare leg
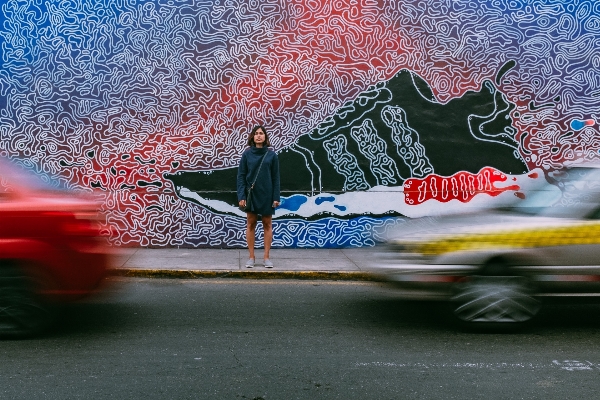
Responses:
[251,231]
[268,229]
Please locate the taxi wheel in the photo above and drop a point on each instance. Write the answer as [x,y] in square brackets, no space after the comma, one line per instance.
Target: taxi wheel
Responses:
[22,312]
[494,300]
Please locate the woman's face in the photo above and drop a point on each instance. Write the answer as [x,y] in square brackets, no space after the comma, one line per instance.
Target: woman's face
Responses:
[259,137]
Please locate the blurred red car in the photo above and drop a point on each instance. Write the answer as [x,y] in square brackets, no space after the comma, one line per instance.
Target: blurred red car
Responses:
[51,250]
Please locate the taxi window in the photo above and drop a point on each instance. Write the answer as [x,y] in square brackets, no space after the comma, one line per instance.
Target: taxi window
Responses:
[595,214]
[575,202]
[575,193]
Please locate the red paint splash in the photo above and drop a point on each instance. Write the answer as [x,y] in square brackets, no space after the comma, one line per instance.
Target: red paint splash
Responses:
[462,186]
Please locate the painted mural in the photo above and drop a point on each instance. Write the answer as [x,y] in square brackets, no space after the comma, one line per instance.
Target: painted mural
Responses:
[379,110]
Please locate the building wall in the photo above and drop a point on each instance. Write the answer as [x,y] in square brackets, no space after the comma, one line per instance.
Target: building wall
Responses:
[378,110]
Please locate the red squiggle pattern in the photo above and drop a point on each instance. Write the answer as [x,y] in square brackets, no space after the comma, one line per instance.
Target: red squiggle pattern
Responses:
[462,186]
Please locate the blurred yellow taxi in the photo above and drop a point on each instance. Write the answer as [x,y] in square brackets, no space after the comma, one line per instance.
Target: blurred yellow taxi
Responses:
[497,266]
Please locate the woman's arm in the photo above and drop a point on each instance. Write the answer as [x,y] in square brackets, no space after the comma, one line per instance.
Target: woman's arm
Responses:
[276,183]
[241,179]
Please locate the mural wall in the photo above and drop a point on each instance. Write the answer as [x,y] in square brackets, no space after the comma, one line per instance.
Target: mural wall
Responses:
[379,110]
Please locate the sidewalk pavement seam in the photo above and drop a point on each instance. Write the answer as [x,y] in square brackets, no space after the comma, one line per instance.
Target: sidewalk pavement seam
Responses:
[129,257]
[352,261]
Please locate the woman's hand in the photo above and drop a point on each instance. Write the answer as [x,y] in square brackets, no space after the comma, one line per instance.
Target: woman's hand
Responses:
[242,203]
[276,204]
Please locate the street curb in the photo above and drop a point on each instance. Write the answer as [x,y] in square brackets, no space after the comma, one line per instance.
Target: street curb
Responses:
[203,274]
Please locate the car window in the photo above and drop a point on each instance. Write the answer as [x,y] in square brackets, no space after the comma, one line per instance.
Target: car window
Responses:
[5,189]
[12,174]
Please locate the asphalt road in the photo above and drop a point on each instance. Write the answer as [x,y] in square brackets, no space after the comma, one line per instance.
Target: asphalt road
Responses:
[248,339]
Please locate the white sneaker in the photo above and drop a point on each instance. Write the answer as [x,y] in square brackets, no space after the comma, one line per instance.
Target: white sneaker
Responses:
[250,263]
[268,263]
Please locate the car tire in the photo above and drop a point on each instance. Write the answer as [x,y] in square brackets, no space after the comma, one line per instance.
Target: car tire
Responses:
[494,301]
[23,312]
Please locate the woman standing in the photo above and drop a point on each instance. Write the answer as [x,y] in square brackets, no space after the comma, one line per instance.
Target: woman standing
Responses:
[260,164]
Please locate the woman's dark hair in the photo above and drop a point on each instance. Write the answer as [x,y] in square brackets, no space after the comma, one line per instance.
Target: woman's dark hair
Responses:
[251,136]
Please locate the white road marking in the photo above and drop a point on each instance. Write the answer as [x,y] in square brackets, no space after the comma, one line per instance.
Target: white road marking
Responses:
[567,365]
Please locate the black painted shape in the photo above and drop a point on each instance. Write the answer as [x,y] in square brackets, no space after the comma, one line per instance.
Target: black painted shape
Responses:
[139,160]
[423,88]
[144,183]
[504,69]
[214,185]
[534,107]
[443,129]
[496,128]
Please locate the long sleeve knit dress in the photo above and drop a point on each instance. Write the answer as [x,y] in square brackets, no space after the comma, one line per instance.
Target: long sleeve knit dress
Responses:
[266,189]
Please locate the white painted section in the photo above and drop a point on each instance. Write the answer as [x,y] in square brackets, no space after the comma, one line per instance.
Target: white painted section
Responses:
[381,200]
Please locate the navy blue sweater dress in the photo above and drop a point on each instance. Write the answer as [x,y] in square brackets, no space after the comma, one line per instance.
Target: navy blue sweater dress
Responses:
[266,188]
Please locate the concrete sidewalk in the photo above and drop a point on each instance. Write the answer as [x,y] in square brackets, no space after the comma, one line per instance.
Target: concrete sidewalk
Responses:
[334,264]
